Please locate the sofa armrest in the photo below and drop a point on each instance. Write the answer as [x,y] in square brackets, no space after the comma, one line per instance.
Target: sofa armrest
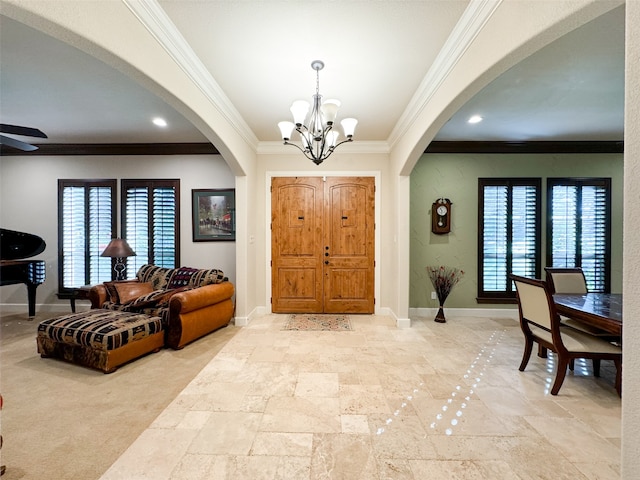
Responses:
[190,300]
[98,295]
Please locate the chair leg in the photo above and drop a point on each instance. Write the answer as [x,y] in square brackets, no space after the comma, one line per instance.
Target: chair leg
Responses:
[618,364]
[528,347]
[560,373]
[596,367]
[542,351]
[572,364]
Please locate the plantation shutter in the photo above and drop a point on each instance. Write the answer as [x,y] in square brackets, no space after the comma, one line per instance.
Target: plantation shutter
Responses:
[164,221]
[136,229]
[509,234]
[579,228]
[85,226]
[525,221]
[150,222]
[101,217]
[74,234]
[564,224]
[494,247]
[595,237]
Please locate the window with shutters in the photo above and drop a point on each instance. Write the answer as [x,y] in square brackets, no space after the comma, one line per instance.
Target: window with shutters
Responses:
[579,228]
[86,224]
[509,235]
[150,222]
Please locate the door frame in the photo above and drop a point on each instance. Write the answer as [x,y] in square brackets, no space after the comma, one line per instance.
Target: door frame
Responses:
[366,173]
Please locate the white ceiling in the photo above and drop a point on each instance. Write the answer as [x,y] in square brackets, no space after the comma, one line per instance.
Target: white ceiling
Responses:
[376,55]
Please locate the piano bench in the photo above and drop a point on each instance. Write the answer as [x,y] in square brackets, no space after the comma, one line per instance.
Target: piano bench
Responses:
[101,339]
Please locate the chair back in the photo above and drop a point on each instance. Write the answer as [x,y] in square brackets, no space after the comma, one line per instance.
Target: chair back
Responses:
[534,302]
[540,324]
[566,280]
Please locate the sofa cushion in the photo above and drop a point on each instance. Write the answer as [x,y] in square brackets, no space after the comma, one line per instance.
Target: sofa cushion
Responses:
[157,276]
[124,292]
[112,293]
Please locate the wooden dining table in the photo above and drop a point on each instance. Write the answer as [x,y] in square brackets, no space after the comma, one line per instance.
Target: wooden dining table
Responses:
[601,310]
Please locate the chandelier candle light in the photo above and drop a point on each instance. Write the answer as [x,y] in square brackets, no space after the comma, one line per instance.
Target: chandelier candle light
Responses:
[318,138]
[443,280]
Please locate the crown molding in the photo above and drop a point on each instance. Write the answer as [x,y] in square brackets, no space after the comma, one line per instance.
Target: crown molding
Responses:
[360,147]
[462,36]
[544,147]
[157,22]
[113,149]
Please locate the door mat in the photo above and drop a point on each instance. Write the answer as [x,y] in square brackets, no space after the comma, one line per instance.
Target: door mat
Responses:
[318,322]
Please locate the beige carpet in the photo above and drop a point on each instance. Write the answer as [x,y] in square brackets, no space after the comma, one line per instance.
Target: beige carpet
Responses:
[61,421]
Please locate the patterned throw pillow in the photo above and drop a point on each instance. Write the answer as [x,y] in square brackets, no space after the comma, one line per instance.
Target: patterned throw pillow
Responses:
[207,277]
[158,276]
[181,277]
[157,298]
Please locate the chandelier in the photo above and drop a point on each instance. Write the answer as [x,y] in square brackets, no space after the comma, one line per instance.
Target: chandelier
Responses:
[317,136]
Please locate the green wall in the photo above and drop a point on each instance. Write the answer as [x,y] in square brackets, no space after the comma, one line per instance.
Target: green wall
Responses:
[455,176]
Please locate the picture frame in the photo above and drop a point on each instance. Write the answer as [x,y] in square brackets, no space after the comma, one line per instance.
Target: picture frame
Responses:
[213,214]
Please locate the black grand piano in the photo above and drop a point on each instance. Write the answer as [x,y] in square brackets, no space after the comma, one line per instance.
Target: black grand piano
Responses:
[14,248]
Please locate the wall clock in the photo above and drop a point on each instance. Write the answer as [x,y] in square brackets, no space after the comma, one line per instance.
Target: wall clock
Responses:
[441,216]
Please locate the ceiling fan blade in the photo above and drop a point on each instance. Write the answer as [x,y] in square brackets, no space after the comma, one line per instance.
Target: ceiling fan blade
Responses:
[18,130]
[12,142]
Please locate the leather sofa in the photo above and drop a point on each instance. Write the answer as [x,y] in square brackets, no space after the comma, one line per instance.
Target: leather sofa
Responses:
[191,302]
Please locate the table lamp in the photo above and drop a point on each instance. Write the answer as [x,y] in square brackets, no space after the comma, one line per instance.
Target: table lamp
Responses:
[118,249]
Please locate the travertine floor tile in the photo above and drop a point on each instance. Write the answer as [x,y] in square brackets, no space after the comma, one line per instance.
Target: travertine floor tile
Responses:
[441,401]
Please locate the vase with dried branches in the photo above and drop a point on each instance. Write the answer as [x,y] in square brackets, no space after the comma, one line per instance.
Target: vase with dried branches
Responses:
[443,279]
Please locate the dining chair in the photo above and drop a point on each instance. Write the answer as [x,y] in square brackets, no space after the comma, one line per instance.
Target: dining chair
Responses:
[566,280]
[572,280]
[540,323]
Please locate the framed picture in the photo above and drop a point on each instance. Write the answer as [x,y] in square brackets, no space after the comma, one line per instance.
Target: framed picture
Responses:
[214,215]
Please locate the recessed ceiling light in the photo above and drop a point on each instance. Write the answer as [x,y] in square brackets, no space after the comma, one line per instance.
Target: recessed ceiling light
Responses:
[475,119]
[160,122]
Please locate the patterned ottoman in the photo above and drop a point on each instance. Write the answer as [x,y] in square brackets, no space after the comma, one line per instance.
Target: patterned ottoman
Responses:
[102,339]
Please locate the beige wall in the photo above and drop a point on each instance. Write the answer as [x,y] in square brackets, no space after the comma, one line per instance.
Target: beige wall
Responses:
[28,203]
[455,176]
[339,164]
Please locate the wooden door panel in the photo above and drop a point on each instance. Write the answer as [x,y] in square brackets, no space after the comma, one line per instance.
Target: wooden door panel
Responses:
[296,224]
[346,291]
[349,234]
[322,245]
[297,287]
[347,220]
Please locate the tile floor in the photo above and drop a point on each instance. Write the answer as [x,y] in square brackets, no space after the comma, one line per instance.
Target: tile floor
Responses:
[435,401]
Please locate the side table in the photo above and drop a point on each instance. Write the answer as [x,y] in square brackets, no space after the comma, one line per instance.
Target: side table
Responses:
[78,293]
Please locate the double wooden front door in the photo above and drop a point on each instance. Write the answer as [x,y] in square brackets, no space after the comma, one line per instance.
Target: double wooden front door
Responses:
[322,244]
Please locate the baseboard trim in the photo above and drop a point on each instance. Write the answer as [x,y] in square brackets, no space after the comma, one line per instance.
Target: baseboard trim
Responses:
[467,312]
[57,308]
